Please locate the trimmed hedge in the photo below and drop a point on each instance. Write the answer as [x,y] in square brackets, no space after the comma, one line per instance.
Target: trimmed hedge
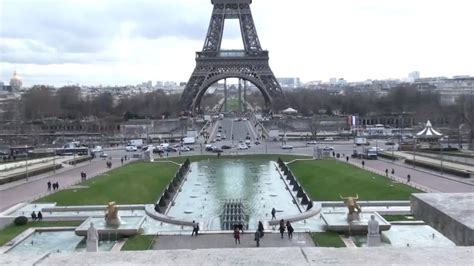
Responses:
[22,175]
[20,220]
[437,167]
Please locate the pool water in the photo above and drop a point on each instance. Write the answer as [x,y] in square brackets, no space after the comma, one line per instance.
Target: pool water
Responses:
[409,236]
[211,183]
[57,241]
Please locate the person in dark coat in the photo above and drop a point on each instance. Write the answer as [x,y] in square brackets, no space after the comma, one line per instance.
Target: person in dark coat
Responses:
[260,229]
[40,216]
[257,238]
[273,213]
[290,229]
[282,227]
[33,216]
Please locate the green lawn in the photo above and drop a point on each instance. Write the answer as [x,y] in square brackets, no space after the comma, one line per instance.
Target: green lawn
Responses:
[269,157]
[12,231]
[136,183]
[324,180]
[139,242]
[232,105]
[328,240]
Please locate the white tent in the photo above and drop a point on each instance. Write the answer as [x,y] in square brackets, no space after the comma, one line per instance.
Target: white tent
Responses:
[289,111]
[428,132]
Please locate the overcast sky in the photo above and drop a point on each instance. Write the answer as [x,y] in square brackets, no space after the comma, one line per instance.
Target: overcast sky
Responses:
[119,42]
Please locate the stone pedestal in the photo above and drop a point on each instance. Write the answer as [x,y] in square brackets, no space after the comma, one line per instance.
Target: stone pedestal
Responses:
[353,217]
[92,245]
[373,240]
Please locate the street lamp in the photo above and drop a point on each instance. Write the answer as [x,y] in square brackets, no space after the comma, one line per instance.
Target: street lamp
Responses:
[26,163]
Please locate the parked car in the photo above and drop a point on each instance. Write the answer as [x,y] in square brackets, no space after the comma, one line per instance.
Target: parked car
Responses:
[243,146]
[217,150]
[210,147]
[257,142]
[377,149]
[131,148]
[327,148]
[390,143]
[104,155]
[226,147]
[287,147]
[329,139]
[313,142]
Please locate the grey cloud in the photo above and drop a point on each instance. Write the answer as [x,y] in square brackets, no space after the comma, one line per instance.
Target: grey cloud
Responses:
[56,30]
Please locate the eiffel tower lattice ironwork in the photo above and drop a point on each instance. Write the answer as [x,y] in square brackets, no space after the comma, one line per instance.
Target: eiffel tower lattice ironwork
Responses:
[214,64]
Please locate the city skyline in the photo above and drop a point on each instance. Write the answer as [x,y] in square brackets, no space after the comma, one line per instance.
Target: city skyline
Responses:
[128,42]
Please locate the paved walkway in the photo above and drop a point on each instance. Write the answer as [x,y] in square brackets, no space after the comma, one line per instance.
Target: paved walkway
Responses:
[422,178]
[206,241]
[421,158]
[35,187]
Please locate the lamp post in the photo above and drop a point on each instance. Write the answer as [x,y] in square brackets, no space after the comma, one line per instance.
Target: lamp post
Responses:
[26,169]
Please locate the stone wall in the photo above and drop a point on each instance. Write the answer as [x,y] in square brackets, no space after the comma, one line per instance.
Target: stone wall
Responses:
[452,214]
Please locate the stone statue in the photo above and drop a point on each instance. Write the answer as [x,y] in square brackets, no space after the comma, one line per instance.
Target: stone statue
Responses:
[373,235]
[111,214]
[92,241]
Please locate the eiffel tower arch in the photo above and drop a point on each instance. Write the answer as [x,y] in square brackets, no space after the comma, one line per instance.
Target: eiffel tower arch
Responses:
[214,64]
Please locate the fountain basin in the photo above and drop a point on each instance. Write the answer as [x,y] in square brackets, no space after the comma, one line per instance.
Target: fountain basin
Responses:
[129,226]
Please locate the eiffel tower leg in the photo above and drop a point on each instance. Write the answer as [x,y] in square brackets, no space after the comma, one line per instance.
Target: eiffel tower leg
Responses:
[225,96]
[240,96]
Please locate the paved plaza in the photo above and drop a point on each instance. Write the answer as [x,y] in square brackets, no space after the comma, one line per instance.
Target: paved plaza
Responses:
[210,241]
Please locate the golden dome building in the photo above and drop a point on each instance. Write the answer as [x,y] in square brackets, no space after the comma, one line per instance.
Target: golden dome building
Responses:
[15,82]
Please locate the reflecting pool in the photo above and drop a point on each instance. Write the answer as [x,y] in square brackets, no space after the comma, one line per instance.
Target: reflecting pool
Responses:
[56,241]
[256,183]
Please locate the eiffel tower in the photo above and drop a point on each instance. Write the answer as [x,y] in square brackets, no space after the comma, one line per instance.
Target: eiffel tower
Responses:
[214,64]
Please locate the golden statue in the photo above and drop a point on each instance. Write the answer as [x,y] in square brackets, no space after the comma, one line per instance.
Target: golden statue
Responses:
[111,214]
[352,205]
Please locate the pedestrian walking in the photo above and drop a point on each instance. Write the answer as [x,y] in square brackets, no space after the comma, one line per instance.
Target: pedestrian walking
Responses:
[282,227]
[386,172]
[260,228]
[49,185]
[408,178]
[33,216]
[393,171]
[121,160]
[257,238]
[273,213]
[237,234]
[241,227]
[40,216]
[195,229]
[347,158]
[290,229]
[363,164]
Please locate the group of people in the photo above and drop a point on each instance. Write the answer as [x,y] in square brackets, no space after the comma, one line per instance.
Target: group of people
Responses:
[54,185]
[286,227]
[393,173]
[36,217]
[123,159]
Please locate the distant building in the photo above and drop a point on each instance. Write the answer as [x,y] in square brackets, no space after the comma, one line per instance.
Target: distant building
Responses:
[289,83]
[413,76]
[15,82]
[449,89]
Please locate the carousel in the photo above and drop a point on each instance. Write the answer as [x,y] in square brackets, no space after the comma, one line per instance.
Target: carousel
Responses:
[428,138]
